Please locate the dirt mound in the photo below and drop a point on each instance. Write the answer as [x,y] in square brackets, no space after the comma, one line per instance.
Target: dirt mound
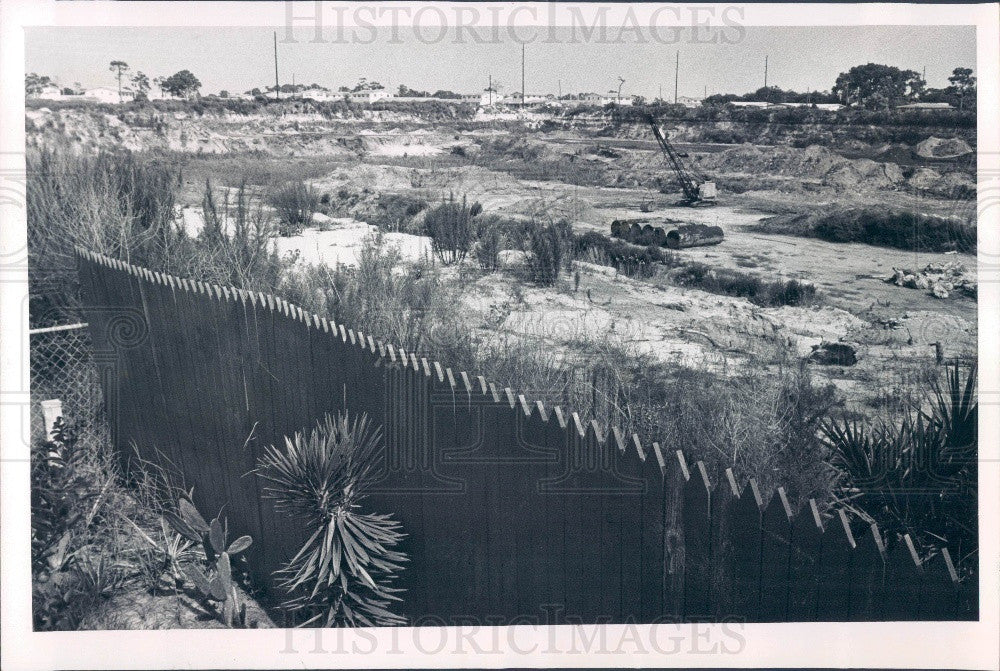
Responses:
[895,153]
[925,179]
[936,147]
[814,162]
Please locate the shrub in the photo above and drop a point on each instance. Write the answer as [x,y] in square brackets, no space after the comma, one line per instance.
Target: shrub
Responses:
[513,232]
[918,476]
[392,301]
[77,558]
[115,203]
[451,230]
[627,259]
[394,211]
[341,576]
[488,250]
[546,254]
[61,494]
[294,203]
[762,423]
[893,228]
[235,244]
[767,293]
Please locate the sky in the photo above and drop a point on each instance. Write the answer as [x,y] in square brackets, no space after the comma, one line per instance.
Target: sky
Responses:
[239,58]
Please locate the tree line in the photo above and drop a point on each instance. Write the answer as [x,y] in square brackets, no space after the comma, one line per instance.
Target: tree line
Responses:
[133,84]
[870,86]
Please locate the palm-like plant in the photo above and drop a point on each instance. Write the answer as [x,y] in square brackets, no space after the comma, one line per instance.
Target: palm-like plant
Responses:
[918,477]
[341,576]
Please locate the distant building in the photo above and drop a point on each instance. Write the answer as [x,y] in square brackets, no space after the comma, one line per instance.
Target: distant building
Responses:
[750,103]
[317,94]
[50,91]
[368,95]
[529,99]
[829,107]
[600,99]
[688,101]
[488,97]
[106,94]
[597,98]
[925,106]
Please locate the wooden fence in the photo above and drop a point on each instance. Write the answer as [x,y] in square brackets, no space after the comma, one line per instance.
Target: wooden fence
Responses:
[514,512]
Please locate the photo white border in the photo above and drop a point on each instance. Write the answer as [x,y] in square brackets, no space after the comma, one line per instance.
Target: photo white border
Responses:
[926,645]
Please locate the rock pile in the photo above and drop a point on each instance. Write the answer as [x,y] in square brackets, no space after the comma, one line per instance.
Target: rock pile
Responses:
[936,147]
[938,279]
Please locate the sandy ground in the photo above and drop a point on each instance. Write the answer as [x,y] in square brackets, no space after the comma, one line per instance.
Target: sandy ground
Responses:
[892,329]
[341,245]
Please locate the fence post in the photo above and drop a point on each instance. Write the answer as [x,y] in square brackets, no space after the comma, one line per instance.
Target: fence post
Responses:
[51,411]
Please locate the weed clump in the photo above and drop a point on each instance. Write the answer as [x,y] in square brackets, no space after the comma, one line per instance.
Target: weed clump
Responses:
[897,229]
[451,230]
[901,230]
[294,203]
[766,293]
[488,249]
[627,259]
[394,212]
[547,246]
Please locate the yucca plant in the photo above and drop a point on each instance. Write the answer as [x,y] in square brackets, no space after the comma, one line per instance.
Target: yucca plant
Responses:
[918,476]
[342,575]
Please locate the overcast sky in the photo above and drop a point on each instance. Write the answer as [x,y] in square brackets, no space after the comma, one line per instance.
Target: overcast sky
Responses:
[237,59]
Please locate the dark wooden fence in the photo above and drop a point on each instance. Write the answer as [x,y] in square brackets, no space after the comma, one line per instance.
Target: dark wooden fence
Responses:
[514,512]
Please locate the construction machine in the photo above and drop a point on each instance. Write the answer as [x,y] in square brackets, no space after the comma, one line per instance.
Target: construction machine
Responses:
[698,190]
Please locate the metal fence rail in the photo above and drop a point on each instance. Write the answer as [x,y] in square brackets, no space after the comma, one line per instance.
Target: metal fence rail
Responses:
[63,367]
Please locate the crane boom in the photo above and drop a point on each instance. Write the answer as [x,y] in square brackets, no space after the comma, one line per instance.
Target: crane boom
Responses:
[692,189]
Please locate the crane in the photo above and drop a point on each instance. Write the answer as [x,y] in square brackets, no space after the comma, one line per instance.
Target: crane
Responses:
[698,191]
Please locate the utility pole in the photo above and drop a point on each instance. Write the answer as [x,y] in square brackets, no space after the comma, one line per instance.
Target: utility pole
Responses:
[621,81]
[677,74]
[706,92]
[522,76]
[560,88]
[661,93]
[491,89]
[765,71]
[277,91]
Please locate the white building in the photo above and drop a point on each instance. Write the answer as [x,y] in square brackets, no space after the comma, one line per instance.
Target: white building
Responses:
[317,94]
[829,107]
[688,101]
[367,96]
[106,94]
[50,91]
[750,103]
[487,98]
[529,98]
[604,99]
[925,106]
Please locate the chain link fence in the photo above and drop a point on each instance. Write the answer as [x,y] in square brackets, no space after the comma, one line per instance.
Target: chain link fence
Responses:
[63,367]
